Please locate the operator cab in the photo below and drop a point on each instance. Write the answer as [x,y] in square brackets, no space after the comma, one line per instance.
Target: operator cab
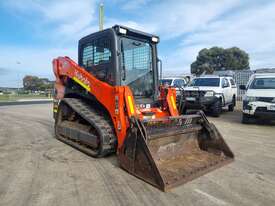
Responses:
[122,56]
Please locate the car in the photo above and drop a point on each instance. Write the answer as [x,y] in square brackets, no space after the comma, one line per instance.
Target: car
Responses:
[178,83]
[259,99]
[210,93]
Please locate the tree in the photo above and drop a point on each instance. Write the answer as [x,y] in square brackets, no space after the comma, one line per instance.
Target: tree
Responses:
[30,82]
[217,58]
[34,83]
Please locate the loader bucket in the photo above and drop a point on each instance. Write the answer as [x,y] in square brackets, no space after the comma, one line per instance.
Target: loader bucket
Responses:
[169,152]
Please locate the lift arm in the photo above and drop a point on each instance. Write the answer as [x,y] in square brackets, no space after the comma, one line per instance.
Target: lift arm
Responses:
[111,97]
[114,98]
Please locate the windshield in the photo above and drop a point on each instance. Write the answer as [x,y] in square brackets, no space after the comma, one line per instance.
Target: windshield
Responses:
[206,82]
[136,65]
[263,83]
[166,82]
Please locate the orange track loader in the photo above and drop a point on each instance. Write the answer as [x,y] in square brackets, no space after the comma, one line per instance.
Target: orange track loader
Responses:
[111,101]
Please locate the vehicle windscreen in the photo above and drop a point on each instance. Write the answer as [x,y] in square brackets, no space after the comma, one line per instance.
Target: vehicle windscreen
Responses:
[263,83]
[166,82]
[206,82]
[136,66]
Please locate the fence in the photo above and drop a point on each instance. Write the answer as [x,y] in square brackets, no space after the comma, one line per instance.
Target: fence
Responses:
[241,78]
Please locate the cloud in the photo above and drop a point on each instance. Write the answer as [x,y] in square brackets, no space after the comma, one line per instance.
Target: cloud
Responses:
[174,18]
[62,19]
[184,27]
[194,25]
[250,29]
[136,4]
[61,23]
[178,62]
[4,71]
[176,21]
[129,23]
[33,61]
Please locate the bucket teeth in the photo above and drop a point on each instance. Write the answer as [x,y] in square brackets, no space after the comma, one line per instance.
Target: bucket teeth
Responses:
[171,151]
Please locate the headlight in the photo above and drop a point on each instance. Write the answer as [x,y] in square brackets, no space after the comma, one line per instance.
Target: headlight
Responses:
[250,99]
[155,39]
[122,30]
[209,94]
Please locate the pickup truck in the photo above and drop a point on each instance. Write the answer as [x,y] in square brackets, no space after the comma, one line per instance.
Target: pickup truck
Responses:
[177,83]
[210,93]
[259,100]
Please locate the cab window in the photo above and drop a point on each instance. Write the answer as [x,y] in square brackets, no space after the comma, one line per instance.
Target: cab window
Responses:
[178,83]
[166,82]
[225,83]
[263,83]
[205,82]
[232,82]
[97,52]
[96,58]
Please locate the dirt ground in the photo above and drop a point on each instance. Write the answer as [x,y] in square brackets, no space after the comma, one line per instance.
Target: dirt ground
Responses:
[37,169]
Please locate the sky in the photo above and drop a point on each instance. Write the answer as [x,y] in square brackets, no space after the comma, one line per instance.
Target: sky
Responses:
[33,32]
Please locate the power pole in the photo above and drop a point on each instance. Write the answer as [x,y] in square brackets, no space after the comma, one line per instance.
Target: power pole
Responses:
[101,16]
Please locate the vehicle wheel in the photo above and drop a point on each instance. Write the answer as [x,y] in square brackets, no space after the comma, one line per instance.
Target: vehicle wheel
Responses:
[245,118]
[217,109]
[232,105]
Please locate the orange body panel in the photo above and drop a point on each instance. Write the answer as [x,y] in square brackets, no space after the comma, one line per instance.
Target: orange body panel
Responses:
[118,100]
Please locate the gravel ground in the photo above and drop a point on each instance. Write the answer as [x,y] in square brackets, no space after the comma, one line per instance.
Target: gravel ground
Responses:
[36,169]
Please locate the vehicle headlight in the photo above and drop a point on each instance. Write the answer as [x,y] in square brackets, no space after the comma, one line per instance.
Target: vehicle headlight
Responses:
[122,30]
[250,99]
[209,94]
[155,39]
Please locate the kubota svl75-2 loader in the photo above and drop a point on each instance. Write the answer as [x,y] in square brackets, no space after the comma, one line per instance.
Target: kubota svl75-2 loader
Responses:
[111,101]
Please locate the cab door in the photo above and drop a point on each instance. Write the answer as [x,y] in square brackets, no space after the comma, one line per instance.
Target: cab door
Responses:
[233,88]
[178,84]
[226,90]
[97,56]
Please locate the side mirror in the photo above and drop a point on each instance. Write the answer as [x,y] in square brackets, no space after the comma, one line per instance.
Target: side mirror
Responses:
[242,87]
[224,85]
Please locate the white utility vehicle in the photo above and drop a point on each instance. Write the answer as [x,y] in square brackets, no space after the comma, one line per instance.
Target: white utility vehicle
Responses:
[259,100]
[178,83]
[210,93]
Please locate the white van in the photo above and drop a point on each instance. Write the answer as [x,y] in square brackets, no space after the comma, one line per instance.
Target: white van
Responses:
[259,100]
[174,82]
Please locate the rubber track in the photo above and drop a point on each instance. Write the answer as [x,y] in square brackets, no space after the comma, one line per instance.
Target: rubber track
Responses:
[99,121]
